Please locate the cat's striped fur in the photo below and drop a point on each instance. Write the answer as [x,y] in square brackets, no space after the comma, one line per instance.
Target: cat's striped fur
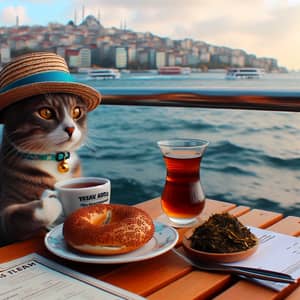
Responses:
[39,125]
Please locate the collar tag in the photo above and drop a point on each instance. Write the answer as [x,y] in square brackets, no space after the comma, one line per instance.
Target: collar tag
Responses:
[60,156]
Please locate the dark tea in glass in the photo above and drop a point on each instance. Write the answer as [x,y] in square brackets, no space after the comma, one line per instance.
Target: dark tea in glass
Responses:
[183,197]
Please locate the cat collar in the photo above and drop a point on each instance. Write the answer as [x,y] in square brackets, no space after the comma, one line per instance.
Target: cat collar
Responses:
[60,157]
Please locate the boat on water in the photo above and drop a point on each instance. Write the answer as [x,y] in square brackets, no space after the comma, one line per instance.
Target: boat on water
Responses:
[168,70]
[104,74]
[244,73]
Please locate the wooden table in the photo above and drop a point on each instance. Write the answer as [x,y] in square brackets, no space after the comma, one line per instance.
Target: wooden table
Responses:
[168,276]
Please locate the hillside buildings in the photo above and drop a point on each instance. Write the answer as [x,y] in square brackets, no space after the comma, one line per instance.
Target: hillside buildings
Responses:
[90,44]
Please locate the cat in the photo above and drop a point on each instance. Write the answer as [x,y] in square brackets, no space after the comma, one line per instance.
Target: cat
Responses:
[40,125]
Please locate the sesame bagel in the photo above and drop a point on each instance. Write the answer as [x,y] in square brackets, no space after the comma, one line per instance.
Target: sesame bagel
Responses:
[108,229]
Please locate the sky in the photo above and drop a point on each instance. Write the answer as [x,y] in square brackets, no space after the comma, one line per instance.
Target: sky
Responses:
[266,28]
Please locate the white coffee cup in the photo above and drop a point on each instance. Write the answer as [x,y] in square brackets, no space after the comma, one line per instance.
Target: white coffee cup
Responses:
[82,191]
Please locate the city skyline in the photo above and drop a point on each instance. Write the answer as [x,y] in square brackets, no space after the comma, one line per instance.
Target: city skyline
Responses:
[265,28]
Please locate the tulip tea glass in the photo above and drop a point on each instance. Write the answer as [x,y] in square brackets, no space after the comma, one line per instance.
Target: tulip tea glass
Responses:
[182,198]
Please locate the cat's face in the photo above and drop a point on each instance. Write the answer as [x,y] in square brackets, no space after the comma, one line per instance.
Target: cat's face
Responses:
[47,123]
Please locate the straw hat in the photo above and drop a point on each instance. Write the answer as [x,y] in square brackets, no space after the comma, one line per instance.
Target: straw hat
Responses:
[41,73]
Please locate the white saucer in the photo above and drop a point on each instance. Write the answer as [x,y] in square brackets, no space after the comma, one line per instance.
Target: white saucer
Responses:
[164,239]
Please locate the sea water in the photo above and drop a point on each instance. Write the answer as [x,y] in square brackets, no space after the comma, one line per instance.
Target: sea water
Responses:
[253,158]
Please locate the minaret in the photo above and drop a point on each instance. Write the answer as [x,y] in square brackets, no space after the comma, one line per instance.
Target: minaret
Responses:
[83,13]
[75,16]
[17,21]
[123,25]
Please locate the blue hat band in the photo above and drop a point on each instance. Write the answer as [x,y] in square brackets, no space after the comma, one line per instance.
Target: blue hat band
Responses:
[49,76]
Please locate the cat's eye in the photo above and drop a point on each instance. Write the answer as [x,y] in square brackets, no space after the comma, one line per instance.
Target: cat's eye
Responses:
[76,113]
[46,113]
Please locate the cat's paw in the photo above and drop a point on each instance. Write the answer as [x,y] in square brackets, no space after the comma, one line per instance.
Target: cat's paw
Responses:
[51,208]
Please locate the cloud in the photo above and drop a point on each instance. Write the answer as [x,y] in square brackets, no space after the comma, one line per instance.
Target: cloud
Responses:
[9,14]
[271,34]
[165,16]
[262,27]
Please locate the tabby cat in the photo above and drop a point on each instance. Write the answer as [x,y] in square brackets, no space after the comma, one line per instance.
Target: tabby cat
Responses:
[39,134]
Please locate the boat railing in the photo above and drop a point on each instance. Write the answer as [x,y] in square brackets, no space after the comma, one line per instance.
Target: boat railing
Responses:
[218,98]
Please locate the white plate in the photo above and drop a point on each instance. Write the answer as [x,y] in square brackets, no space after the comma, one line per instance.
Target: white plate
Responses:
[164,239]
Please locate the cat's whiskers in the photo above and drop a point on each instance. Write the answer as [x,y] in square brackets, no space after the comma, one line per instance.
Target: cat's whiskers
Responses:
[61,140]
[90,147]
[40,144]
[36,145]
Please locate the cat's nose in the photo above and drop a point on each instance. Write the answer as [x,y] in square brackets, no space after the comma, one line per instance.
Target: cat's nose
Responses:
[69,130]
